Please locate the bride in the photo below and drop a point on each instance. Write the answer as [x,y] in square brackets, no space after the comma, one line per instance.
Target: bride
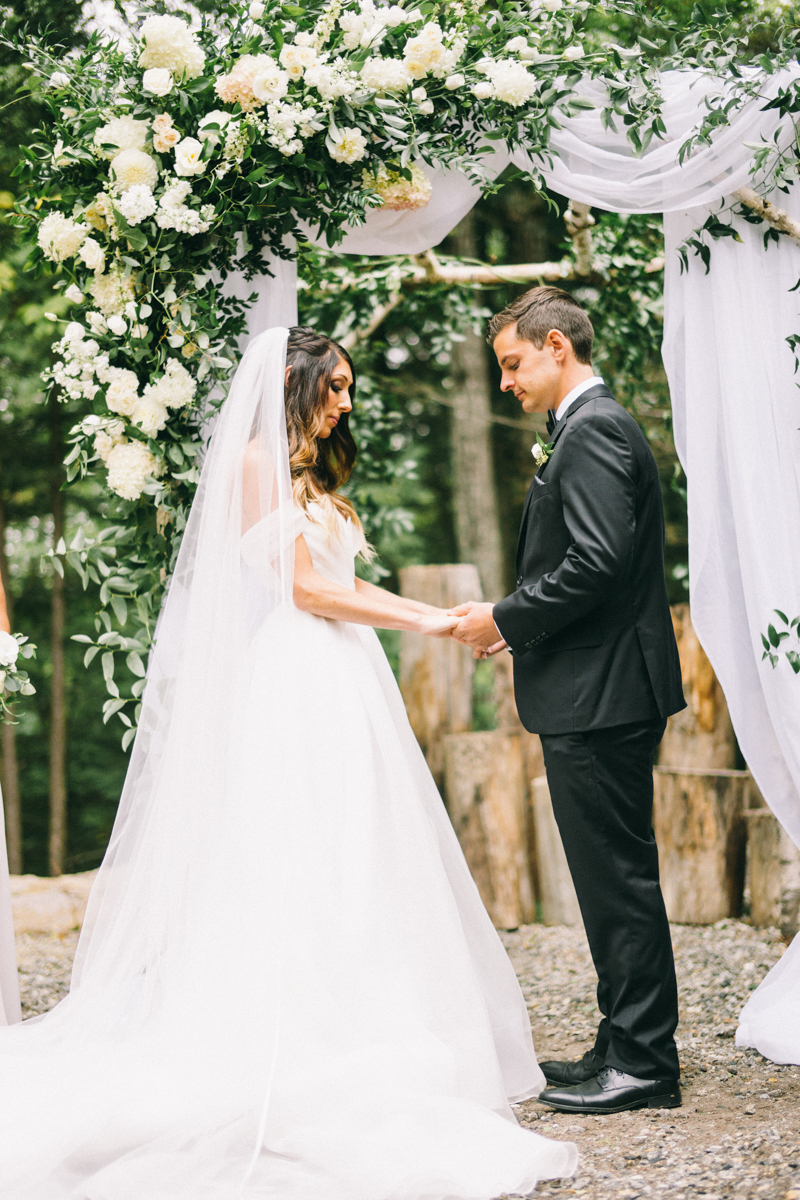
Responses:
[286,986]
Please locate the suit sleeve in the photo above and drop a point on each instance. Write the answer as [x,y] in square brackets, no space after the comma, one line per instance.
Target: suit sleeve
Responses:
[598,495]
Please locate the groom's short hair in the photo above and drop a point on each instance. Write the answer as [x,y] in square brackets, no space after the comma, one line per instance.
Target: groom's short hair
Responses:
[541,309]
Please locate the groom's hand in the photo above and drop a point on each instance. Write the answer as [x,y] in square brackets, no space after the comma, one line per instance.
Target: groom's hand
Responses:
[476,628]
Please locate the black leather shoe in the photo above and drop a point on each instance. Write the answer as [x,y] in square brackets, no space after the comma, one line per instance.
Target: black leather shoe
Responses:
[612,1091]
[573,1072]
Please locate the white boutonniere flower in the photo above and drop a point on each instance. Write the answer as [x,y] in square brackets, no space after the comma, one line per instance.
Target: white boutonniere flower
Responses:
[541,451]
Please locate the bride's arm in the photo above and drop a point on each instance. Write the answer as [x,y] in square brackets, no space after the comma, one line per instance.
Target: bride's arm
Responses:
[371,606]
[401,602]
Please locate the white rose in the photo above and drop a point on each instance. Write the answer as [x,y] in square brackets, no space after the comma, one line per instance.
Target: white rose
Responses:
[483,91]
[395,15]
[93,255]
[117,325]
[348,146]
[132,168]
[256,10]
[170,43]
[454,81]
[97,323]
[426,107]
[384,74]
[59,79]
[74,332]
[269,83]
[157,81]
[73,293]
[187,157]
[573,52]
[9,649]
[419,94]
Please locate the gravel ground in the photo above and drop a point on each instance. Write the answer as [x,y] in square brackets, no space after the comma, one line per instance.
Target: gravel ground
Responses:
[738,1132]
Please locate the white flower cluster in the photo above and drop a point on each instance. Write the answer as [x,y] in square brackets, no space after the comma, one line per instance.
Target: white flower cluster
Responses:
[174,213]
[107,432]
[385,74]
[286,121]
[170,43]
[80,361]
[426,53]
[137,203]
[9,649]
[130,465]
[296,58]
[60,237]
[333,81]
[165,135]
[175,389]
[397,192]
[120,133]
[111,292]
[367,26]
[506,79]
[255,79]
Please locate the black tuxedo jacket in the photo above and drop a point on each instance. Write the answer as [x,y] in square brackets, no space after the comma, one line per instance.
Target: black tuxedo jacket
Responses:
[589,624]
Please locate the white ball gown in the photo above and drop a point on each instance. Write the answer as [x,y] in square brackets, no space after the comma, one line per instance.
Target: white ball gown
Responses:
[287,986]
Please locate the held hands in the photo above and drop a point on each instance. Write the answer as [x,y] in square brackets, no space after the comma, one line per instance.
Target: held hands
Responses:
[476,629]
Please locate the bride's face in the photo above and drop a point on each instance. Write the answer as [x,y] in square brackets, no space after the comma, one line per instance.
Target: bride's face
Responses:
[338,399]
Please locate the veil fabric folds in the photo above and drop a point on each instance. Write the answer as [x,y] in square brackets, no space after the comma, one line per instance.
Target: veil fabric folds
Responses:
[287,987]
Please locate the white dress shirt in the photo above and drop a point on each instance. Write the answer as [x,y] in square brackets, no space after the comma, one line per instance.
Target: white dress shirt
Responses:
[572,396]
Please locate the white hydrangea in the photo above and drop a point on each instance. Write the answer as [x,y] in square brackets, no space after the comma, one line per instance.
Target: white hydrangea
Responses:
[137,203]
[353,26]
[348,146]
[130,465]
[512,81]
[60,237]
[426,53]
[111,292]
[175,389]
[120,133]
[122,393]
[385,74]
[332,80]
[174,213]
[169,42]
[73,293]
[133,168]
[149,414]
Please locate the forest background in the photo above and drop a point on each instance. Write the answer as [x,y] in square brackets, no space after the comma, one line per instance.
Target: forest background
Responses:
[445,460]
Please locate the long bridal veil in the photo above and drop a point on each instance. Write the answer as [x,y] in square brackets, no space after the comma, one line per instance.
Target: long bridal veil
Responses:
[286,987]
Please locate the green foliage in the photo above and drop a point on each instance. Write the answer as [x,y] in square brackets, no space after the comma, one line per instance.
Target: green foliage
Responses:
[773,640]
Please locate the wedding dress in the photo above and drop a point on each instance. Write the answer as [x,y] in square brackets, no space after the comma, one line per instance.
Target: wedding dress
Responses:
[287,986]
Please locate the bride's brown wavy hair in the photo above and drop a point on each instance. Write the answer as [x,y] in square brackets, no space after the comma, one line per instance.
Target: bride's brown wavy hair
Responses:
[319,466]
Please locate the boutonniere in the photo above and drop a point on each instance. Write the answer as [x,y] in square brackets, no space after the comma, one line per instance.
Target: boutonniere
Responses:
[541,452]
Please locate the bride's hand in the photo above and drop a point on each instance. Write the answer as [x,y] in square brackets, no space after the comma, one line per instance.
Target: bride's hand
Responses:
[437,623]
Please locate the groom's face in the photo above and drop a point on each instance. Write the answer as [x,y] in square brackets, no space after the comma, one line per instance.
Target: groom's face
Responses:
[533,375]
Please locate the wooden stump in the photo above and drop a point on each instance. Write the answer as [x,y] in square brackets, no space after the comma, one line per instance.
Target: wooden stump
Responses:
[699,822]
[774,873]
[556,889]
[702,734]
[436,673]
[485,796]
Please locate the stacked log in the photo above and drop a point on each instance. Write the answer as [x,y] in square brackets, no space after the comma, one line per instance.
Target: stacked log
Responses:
[556,891]
[436,673]
[774,872]
[486,798]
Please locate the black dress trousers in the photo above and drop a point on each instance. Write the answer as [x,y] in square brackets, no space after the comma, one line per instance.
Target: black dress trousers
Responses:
[601,785]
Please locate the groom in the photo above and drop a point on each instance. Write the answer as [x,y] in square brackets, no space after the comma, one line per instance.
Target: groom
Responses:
[596,674]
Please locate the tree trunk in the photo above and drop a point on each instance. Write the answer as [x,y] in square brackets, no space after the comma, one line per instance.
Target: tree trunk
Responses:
[477,524]
[9,776]
[58,724]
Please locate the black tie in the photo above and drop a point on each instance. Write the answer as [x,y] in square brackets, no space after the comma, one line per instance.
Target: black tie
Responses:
[551,420]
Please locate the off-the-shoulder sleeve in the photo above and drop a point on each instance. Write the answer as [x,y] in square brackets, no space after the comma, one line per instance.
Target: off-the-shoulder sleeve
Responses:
[264,545]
